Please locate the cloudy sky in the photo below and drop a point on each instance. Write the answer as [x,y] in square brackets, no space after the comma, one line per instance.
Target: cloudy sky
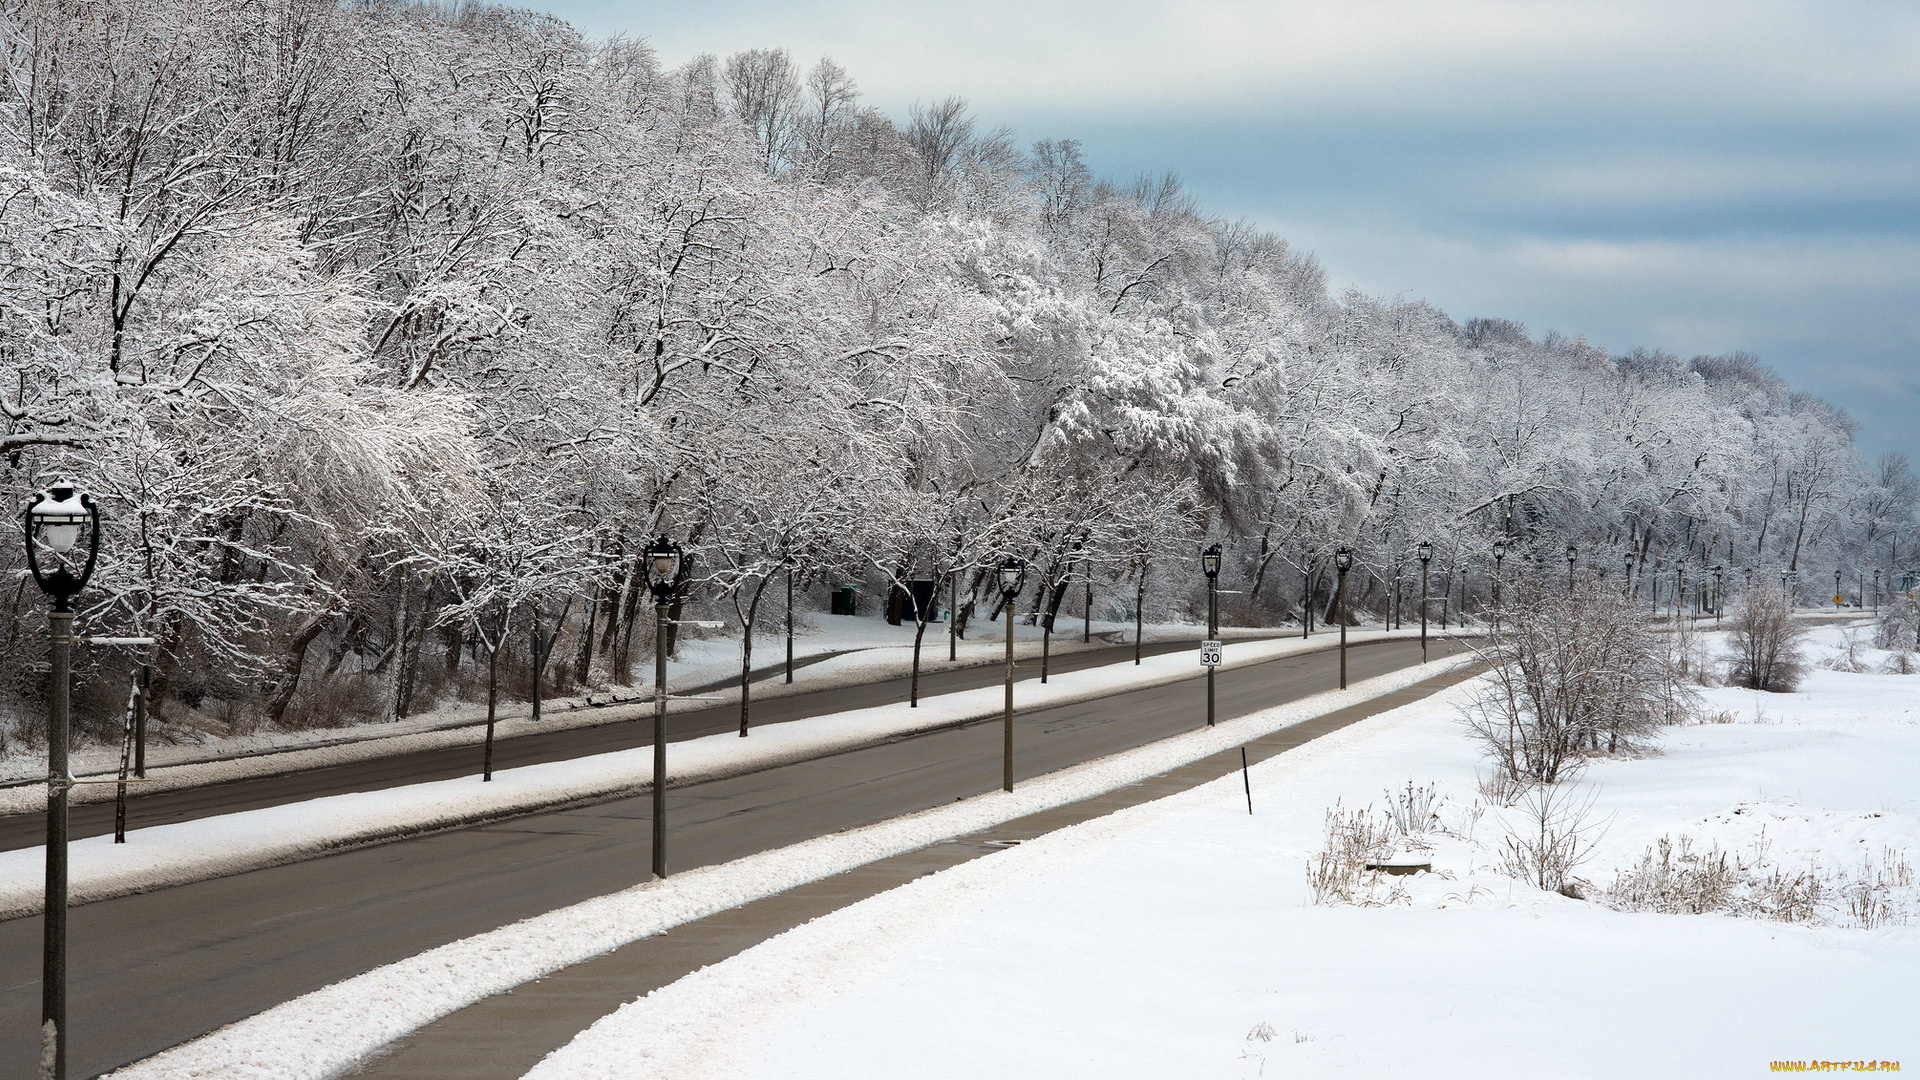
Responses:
[1697,177]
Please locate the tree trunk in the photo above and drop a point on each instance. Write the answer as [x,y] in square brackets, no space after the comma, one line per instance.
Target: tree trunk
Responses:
[913,684]
[296,660]
[583,656]
[397,702]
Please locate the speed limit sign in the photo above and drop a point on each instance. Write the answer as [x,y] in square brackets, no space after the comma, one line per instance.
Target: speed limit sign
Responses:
[1210,653]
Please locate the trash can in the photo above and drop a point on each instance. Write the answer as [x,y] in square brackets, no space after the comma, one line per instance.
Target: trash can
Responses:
[843,601]
[920,597]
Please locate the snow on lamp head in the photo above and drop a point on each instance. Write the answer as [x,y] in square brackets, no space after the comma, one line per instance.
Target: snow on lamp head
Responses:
[1012,576]
[54,520]
[1210,562]
[1343,559]
[1426,551]
[663,567]
[57,516]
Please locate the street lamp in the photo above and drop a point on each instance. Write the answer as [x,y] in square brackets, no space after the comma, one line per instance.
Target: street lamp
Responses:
[54,520]
[1343,562]
[1499,556]
[662,561]
[1838,596]
[1210,566]
[1626,575]
[1426,558]
[1012,577]
[1785,577]
[1573,553]
[1719,592]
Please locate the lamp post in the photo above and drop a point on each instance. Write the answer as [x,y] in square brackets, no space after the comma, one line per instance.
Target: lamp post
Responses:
[1343,562]
[663,572]
[1679,588]
[1573,554]
[1719,592]
[1426,559]
[54,520]
[1086,611]
[1626,576]
[1876,592]
[1210,566]
[1837,594]
[1012,577]
[1785,576]
[1499,556]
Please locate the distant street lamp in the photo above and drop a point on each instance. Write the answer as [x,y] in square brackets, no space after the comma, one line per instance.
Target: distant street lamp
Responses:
[1719,592]
[1210,566]
[1679,588]
[1626,576]
[1012,576]
[1876,592]
[787,562]
[1838,596]
[662,562]
[1785,577]
[1573,553]
[54,519]
[1426,559]
[1499,556]
[1343,562]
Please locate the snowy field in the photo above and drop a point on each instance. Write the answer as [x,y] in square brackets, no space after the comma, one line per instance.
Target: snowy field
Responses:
[1179,938]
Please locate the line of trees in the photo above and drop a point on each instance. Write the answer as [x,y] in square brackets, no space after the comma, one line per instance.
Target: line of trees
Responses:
[388,333]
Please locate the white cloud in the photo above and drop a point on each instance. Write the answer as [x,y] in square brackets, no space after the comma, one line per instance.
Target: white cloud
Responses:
[1665,179]
[1318,56]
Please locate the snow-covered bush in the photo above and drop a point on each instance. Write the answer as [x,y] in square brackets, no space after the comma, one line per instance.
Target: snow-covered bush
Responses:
[1848,658]
[1765,644]
[1574,672]
[1899,626]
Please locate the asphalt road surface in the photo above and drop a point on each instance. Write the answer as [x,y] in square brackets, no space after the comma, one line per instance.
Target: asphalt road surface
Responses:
[147,972]
[165,808]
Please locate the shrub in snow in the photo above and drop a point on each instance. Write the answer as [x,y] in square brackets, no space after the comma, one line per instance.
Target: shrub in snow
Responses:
[1355,839]
[1765,644]
[1413,809]
[1674,878]
[1555,833]
[1574,672]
